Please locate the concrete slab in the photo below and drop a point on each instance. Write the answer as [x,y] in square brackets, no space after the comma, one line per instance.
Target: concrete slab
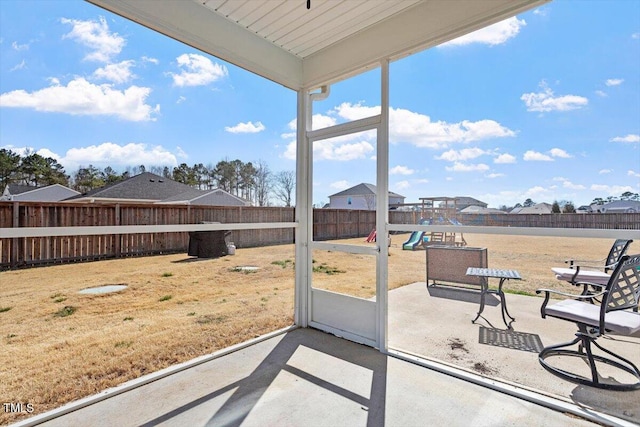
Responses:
[436,324]
[309,378]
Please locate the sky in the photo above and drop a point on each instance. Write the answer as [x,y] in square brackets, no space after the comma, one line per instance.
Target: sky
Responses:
[542,106]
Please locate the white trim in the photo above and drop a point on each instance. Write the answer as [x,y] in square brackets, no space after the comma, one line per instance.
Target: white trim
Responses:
[555,403]
[135,229]
[341,247]
[522,231]
[355,126]
[139,382]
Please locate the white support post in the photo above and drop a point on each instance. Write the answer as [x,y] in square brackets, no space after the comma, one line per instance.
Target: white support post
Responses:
[382,210]
[304,212]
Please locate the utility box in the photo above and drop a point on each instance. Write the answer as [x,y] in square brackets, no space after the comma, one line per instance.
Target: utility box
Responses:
[448,264]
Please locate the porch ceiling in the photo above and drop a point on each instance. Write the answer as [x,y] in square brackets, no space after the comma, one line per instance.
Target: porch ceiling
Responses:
[297,47]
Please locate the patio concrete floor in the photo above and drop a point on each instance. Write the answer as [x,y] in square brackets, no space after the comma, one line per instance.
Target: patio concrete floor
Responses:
[308,378]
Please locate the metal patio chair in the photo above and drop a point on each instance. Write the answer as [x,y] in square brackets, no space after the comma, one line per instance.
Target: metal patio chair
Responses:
[593,277]
[617,314]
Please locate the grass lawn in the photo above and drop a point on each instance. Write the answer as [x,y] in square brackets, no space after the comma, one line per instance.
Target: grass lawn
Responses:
[59,345]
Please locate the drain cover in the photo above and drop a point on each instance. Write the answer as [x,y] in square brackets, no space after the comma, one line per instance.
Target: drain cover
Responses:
[103,289]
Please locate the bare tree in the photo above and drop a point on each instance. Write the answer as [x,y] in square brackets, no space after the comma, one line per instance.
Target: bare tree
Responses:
[262,181]
[370,200]
[284,185]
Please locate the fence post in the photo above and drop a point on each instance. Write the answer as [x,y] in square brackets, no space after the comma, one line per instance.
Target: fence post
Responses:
[117,236]
[14,243]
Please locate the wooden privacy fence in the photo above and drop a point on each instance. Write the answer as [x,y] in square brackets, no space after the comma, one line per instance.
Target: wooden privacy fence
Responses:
[327,224]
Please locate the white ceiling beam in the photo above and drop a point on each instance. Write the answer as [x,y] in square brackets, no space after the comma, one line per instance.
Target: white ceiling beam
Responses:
[189,22]
[422,26]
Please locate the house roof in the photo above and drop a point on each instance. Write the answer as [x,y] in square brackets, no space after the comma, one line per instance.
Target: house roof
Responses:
[145,186]
[474,209]
[297,47]
[14,189]
[620,206]
[538,208]
[363,189]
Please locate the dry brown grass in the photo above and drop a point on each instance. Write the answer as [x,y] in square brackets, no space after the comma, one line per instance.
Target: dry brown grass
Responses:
[175,308]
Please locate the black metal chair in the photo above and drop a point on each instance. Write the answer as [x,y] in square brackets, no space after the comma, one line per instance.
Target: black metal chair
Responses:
[616,314]
[593,277]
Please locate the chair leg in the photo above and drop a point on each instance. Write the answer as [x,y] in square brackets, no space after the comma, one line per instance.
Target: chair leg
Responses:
[584,352]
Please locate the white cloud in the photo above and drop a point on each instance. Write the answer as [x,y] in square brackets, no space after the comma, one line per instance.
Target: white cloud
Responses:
[604,171]
[546,101]
[635,36]
[21,66]
[463,167]
[570,185]
[401,170]
[611,190]
[531,155]
[19,47]
[80,97]
[404,127]
[402,185]
[340,185]
[464,154]
[601,93]
[541,11]
[492,35]
[495,175]
[111,154]
[181,99]
[197,70]
[628,138]
[117,73]
[504,159]
[558,152]
[613,82]
[633,173]
[151,60]
[96,36]
[248,127]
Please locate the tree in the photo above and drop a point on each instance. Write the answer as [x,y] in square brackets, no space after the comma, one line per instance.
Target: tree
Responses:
[263,184]
[184,174]
[110,176]
[528,203]
[9,166]
[86,179]
[284,186]
[569,208]
[555,207]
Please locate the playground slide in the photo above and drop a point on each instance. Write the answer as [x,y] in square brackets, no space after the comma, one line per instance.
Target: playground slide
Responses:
[414,240]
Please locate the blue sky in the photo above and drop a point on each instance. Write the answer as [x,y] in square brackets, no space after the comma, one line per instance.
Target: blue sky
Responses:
[545,105]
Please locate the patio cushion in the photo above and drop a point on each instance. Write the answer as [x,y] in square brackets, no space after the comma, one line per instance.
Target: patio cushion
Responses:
[590,276]
[622,322]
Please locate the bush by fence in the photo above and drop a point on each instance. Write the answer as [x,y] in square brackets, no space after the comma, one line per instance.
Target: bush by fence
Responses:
[327,224]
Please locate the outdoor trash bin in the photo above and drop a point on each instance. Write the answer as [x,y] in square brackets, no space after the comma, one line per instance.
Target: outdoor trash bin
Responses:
[209,244]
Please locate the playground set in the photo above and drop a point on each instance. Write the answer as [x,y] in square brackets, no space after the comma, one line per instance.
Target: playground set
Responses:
[440,211]
[445,213]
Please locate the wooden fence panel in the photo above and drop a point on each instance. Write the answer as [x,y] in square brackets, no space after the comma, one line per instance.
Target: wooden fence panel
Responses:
[328,224]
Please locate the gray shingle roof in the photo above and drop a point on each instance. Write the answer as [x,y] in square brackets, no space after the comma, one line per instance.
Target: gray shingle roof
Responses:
[146,186]
[361,190]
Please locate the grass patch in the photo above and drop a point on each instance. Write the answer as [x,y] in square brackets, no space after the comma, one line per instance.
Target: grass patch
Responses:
[284,264]
[324,268]
[193,313]
[167,274]
[165,298]
[127,319]
[5,309]
[210,318]
[60,299]
[519,292]
[66,311]
[123,344]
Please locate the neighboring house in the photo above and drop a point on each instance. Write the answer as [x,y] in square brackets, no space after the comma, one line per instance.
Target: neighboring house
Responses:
[151,188]
[463,202]
[620,206]
[584,209]
[538,208]
[482,210]
[26,193]
[361,196]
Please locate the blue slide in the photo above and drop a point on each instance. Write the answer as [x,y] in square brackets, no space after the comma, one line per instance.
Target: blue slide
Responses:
[414,240]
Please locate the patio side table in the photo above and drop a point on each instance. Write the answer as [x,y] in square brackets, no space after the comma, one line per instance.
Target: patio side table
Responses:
[503,275]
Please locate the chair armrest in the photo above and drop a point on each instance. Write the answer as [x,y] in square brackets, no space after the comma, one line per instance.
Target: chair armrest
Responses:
[548,292]
[573,262]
